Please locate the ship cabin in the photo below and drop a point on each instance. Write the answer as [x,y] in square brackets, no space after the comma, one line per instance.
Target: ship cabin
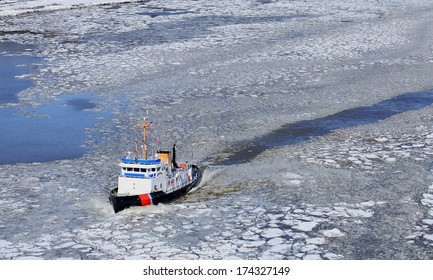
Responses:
[141,176]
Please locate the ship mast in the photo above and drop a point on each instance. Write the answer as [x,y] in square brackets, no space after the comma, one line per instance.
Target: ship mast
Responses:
[144,124]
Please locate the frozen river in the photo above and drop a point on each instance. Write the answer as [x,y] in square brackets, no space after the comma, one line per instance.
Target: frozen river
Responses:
[312,121]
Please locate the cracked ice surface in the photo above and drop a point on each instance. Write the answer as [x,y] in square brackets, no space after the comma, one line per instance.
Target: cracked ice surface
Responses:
[211,75]
[423,231]
[226,227]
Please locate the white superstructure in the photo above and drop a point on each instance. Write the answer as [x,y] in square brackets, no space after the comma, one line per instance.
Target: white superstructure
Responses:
[139,176]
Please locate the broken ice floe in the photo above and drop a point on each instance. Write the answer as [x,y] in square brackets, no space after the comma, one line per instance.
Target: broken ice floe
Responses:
[242,231]
[335,232]
[12,8]
[425,228]
[359,151]
[209,61]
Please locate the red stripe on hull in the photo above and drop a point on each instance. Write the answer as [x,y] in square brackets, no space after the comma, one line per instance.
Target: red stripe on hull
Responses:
[145,199]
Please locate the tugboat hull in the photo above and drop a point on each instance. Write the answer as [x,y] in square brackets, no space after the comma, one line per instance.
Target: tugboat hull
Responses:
[120,203]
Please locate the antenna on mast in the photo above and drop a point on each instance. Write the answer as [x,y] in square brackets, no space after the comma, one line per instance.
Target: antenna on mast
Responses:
[144,124]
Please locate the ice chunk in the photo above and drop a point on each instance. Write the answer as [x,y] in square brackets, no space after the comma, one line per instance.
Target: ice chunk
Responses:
[275,241]
[4,243]
[281,248]
[312,257]
[332,256]
[272,233]
[411,237]
[305,226]
[159,229]
[372,156]
[381,139]
[292,176]
[253,244]
[295,182]
[249,235]
[359,213]
[66,245]
[368,203]
[428,221]
[316,240]
[427,202]
[428,237]
[308,248]
[335,232]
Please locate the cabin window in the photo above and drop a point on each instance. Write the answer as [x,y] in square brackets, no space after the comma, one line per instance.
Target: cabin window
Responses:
[124,168]
[129,168]
[136,169]
[153,169]
[143,170]
[159,168]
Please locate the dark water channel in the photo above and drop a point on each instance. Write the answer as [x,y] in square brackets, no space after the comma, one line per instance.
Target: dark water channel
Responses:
[301,131]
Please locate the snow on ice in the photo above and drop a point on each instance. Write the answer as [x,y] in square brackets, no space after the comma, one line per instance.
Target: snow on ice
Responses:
[12,7]
[215,77]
